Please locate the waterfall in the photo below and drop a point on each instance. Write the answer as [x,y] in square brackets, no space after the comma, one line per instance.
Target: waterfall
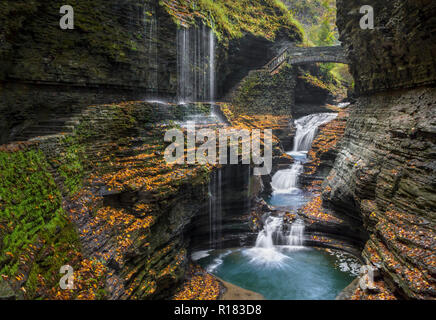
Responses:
[273,239]
[274,232]
[215,209]
[307,128]
[212,66]
[196,64]
[151,38]
[272,226]
[285,181]
[295,238]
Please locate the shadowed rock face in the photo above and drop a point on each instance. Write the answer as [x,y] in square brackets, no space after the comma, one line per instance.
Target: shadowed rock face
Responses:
[118,51]
[399,52]
[384,176]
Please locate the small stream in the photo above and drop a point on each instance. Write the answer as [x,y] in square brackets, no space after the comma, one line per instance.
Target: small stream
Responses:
[279,266]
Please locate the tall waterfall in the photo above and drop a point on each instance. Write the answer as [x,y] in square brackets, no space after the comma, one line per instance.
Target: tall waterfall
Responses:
[307,127]
[196,64]
[212,66]
[215,209]
[151,46]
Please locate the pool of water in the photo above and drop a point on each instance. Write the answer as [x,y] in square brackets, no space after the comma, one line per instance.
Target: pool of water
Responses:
[291,271]
[292,201]
[285,273]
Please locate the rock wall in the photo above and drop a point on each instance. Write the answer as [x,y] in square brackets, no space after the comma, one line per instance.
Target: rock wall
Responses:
[264,93]
[290,90]
[117,51]
[121,51]
[101,200]
[383,179]
[399,52]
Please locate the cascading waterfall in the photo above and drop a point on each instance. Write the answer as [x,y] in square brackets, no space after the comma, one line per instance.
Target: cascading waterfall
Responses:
[275,233]
[307,128]
[295,238]
[196,64]
[279,266]
[272,227]
[286,182]
[273,238]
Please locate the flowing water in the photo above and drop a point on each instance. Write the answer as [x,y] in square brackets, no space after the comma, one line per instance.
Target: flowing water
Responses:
[279,266]
[197,72]
[196,64]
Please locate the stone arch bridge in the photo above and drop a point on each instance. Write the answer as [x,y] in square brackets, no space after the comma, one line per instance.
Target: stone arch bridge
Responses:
[301,55]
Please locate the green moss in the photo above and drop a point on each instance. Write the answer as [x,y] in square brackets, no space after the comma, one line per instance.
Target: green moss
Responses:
[32,220]
[61,250]
[232,19]
[71,167]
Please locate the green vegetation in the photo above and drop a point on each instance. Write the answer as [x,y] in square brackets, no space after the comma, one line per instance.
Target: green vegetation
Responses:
[319,20]
[232,19]
[71,167]
[35,235]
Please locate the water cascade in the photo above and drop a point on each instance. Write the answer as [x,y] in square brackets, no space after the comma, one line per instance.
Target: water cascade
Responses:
[295,238]
[286,182]
[151,46]
[279,266]
[196,64]
[307,128]
[275,233]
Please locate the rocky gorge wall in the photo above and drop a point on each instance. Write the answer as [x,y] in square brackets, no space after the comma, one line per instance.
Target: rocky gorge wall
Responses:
[383,179]
[101,200]
[117,51]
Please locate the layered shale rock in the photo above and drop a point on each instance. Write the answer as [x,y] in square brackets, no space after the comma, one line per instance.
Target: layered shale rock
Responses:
[384,177]
[399,52]
[117,51]
[120,51]
[264,93]
[102,200]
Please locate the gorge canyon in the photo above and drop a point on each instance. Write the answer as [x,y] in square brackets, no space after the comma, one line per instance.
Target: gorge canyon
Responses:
[84,181]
